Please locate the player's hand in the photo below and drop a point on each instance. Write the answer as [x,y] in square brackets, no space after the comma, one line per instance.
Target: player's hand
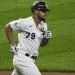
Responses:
[13,49]
[48,35]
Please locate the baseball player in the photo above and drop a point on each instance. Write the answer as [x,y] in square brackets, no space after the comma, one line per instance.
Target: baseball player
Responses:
[32,33]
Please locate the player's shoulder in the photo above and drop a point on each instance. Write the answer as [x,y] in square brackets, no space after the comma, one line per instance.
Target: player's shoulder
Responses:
[44,23]
[28,19]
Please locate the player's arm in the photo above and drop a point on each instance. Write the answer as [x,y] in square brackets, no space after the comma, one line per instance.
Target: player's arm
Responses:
[9,34]
[48,35]
[9,28]
[44,42]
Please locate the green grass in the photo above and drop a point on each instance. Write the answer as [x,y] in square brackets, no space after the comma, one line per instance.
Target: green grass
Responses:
[59,54]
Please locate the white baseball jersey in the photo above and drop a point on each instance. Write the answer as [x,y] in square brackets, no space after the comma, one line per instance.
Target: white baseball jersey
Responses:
[29,35]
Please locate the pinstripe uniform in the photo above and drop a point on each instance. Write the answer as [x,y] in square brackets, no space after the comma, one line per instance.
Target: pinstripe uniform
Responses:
[29,39]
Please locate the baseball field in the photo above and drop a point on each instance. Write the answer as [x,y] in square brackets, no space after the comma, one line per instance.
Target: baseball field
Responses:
[59,54]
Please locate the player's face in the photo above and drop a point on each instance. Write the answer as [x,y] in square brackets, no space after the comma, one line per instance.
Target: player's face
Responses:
[41,15]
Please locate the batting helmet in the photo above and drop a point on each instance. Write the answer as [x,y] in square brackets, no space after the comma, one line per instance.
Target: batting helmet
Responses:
[39,5]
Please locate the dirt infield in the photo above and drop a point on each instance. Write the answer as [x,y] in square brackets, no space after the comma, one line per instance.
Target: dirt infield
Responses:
[43,73]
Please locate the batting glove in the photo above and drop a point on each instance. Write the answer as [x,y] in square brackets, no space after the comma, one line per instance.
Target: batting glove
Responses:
[48,35]
[13,49]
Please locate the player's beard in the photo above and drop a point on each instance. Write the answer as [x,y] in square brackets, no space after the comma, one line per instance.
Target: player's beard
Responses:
[42,18]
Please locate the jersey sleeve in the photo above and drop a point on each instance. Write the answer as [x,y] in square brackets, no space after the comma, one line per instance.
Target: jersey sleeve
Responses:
[17,25]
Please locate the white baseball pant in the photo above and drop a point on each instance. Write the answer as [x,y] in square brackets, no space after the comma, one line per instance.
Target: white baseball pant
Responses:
[24,65]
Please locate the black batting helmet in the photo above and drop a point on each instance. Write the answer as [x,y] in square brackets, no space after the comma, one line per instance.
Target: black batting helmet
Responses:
[39,5]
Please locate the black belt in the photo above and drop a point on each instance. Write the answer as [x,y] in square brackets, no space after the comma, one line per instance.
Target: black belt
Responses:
[33,57]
